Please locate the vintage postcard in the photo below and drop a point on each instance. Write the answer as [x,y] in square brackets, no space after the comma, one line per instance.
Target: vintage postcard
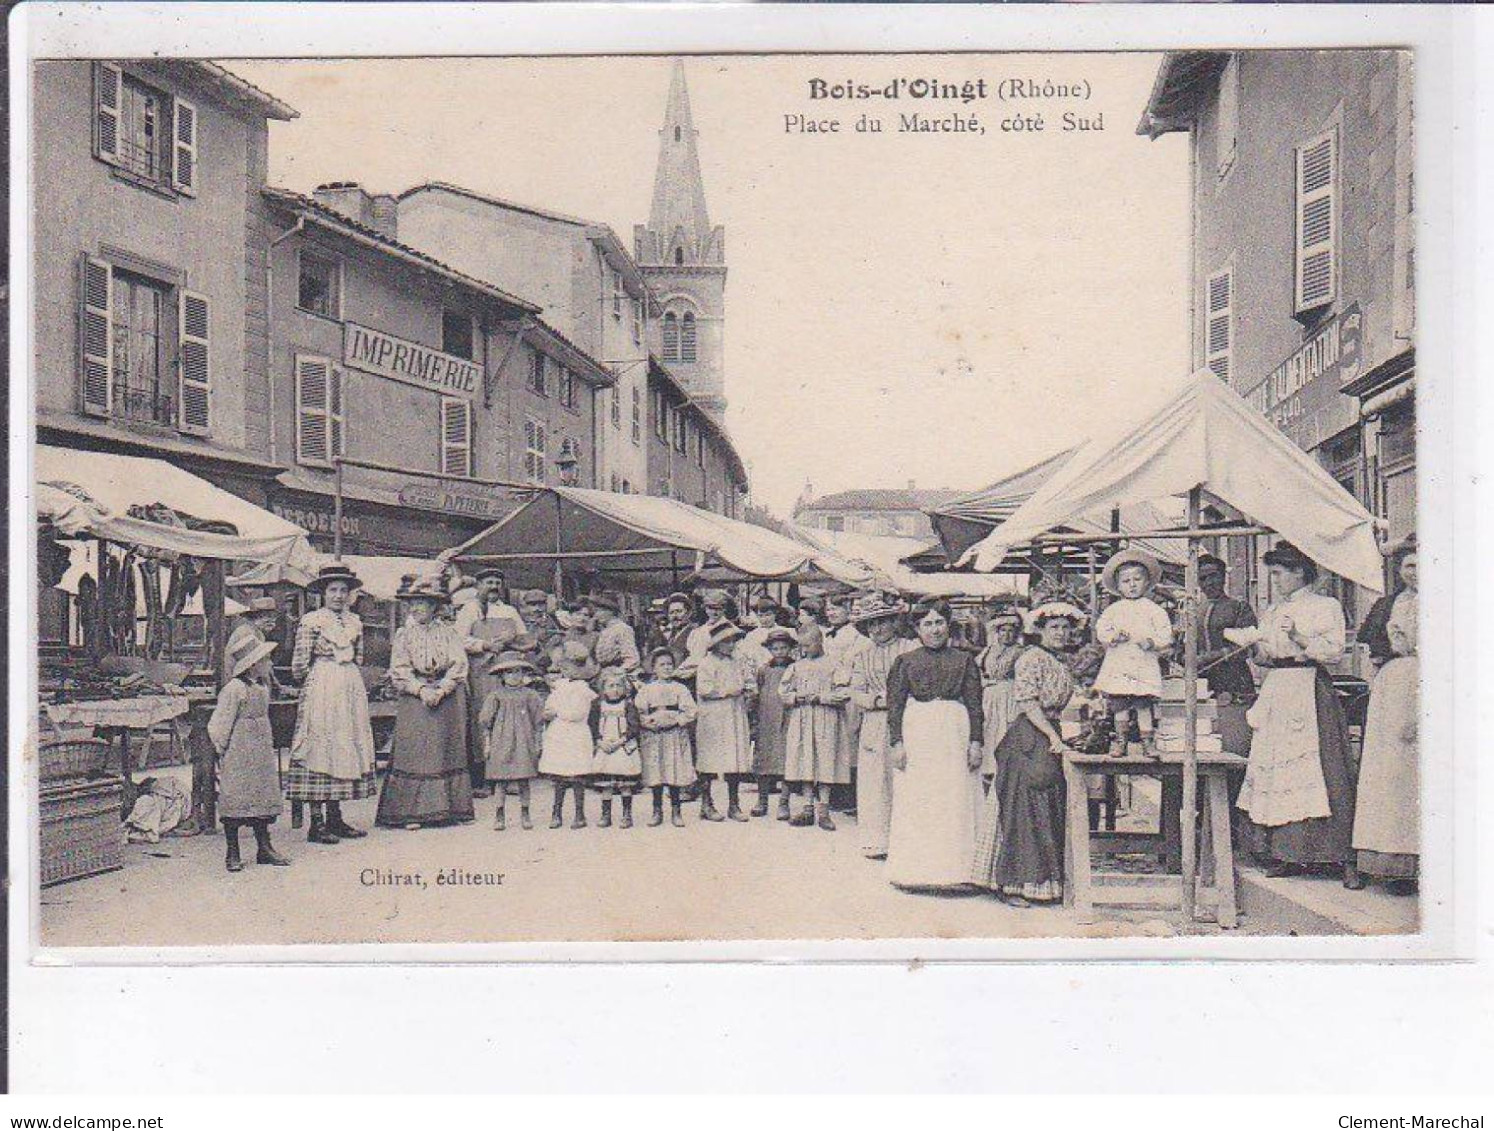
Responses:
[714,500]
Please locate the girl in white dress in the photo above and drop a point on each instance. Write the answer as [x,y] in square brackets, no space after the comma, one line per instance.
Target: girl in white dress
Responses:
[1134,630]
[567,750]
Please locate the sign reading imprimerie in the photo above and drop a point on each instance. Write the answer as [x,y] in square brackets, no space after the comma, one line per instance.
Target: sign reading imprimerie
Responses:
[376,352]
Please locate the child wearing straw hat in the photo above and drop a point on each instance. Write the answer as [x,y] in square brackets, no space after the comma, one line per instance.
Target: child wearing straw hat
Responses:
[510,721]
[1134,631]
[239,729]
[666,710]
[567,749]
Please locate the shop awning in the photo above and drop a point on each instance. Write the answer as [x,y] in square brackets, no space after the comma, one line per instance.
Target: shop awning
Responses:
[638,535]
[104,488]
[885,554]
[1204,435]
[961,523]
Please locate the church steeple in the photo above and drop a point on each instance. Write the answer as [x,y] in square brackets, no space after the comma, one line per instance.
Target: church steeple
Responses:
[678,221]
[684,257]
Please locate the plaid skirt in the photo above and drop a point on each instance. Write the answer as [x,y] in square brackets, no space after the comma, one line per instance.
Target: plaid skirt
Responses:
[302,784]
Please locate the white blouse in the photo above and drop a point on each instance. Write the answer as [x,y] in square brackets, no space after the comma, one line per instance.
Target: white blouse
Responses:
[1316,621]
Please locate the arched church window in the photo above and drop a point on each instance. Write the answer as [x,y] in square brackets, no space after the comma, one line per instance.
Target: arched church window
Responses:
[671,337]
[679,256]
[687,337]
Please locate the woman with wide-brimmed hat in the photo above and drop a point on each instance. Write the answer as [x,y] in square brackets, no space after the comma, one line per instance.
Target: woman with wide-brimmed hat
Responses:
[1019,848]
[332,753]
[428,781]
[1299,787]
[724,689]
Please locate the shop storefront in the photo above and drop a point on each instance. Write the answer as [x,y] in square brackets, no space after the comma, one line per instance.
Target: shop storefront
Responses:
[1387,407]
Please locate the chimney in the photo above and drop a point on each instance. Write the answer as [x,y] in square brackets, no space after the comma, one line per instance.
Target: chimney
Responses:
[352,200]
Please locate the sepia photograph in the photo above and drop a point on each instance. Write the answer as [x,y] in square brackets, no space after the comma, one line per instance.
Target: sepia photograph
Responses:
[695,498]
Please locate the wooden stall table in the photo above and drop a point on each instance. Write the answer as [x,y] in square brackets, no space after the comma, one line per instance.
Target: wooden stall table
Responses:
[1217,848]
[115,719]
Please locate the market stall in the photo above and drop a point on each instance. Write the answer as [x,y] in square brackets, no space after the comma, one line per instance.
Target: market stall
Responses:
[1201,443]
[885,555]
[129,551]
[642,543]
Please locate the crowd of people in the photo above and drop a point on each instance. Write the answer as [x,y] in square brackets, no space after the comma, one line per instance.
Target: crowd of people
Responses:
[942,730]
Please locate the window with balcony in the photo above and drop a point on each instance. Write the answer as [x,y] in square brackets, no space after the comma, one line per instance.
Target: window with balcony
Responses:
[144,132]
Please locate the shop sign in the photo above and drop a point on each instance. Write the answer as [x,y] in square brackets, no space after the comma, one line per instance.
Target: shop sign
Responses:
[374,351]
[432,497]
[314,520]
[1301,396]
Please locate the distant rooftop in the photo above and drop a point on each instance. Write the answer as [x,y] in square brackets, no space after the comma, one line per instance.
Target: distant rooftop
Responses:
[881,499]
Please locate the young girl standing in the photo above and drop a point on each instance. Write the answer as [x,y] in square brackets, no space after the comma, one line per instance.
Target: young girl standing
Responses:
[239,729]
[510,722]
[768,747]
[665,711]
[617,764]
[723,730]
[567,749]
[818,749]
[1134,630]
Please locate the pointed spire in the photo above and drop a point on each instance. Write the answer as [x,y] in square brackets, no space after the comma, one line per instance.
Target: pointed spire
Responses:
[679,191]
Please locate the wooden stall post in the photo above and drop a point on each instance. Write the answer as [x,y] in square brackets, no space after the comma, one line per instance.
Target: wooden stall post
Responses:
[1187,817]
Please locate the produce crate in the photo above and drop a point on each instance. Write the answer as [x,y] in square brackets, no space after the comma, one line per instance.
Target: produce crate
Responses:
[80,830]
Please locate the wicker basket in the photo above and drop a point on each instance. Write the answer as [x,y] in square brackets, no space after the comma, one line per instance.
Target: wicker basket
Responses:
[81,834]
[61,758]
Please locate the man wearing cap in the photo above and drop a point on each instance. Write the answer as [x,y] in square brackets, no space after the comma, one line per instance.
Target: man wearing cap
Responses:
[616,645]
[679,623]
[1223,664]
[870,666]
[698,643]
[487,624]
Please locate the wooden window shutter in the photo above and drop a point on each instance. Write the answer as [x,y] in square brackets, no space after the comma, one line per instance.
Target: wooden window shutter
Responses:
[337,411]
[194,367]
[108,95]
[687,338]
[671,337]
[1219,328]
[96,336]
[184,147]
[1317,223]
[314,380]
[456,437]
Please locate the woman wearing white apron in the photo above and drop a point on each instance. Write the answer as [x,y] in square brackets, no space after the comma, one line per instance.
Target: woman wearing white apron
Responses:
[1387,825]
[934,729]
[998,662]
[1299,790]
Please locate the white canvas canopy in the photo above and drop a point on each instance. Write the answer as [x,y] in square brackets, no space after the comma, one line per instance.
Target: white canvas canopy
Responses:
[103,487]
[1204,436]
[884,553]
[606,532]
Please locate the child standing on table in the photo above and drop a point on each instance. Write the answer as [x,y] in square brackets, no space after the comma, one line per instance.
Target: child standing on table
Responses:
[771,722]
[248,771]
[1134,630]
[665,712]
[567,750]
[817,745]
[510,722]
[617,763]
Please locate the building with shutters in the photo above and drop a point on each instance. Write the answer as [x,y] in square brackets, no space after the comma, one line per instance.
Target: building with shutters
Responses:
[690,456]
[149,271]
[582,278]
[886,511]
[383,354]
[1303,250]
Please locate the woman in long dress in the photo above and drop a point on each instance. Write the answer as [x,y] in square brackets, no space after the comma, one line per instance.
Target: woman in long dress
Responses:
[1019,853]
[998,662]
[428,781]
[934,729]
[1299,790]
[1387,825]
[332,753]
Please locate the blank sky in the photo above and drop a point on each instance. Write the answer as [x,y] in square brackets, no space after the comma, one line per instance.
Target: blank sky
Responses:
[900,307]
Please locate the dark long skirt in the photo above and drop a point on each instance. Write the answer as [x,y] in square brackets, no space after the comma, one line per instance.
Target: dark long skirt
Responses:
[1029,783]
[1320,840]
[428,782]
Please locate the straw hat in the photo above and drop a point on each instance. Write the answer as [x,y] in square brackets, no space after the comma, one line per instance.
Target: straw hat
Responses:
[334,572]
[490,571]
[423,590]
[780,635]
[1126,558]
[510,661]
[724,632]
[244,650]
[1053,610]
[1003,613]
[876,607]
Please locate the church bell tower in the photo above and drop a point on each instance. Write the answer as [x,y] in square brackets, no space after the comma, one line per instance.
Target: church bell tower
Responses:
[684,258]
